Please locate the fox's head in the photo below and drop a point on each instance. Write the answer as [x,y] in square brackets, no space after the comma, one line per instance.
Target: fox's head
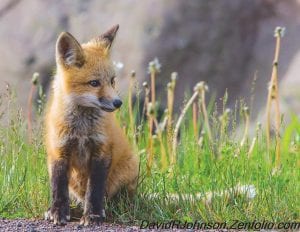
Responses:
[85,72]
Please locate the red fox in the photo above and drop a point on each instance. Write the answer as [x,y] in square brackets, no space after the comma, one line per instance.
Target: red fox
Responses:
[88,155]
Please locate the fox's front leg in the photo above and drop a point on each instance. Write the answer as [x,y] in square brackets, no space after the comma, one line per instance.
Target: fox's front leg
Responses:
[94,196]
[59,211]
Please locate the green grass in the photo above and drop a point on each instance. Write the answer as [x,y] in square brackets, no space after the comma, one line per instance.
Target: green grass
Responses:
[216,166]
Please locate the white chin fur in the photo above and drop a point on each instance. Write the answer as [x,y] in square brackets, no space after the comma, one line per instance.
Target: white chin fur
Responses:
[86,100]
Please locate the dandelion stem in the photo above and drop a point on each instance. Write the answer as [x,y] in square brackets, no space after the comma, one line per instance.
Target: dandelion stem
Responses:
[203,106]
[164,162]
[197,90]
[130,108]
[273,94]
[29,113]
[34,82]
[195,119]
[247,122]
[171,88]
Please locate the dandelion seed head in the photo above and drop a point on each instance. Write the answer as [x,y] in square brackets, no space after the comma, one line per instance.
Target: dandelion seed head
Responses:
[35,78]
[145,84]
[118,65]
[133,74]
[246,110]
[279,32]
[154,66]
[174,76]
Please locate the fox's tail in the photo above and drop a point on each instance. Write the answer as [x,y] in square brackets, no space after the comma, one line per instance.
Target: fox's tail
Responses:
[248,191]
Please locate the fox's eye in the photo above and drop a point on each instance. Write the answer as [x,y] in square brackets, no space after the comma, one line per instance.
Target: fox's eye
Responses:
[112,82]
[94,83]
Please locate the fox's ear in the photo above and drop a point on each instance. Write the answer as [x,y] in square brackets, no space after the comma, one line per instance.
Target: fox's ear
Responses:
[69,51]
[107,38]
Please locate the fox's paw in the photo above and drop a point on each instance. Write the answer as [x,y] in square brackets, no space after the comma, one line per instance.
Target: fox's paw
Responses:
[92,219]
[57,216]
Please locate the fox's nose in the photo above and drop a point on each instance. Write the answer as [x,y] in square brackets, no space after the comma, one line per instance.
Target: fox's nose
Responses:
[117,103]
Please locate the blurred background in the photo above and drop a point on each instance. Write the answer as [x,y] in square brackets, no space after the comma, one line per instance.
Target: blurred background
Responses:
[228,44]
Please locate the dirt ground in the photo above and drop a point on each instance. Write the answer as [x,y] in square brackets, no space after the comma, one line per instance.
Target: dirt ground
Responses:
[31,225]
[41,225]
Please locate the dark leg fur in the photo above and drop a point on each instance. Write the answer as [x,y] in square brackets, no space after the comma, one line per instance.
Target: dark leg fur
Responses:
[94,197]
[59,212]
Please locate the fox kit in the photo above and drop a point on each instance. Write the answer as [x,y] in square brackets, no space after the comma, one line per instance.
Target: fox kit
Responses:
[88,155]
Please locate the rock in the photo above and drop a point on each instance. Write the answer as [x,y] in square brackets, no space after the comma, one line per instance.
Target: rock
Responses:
[225,43]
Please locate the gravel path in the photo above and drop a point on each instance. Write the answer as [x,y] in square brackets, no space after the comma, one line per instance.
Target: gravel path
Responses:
[41,225]
[31,225]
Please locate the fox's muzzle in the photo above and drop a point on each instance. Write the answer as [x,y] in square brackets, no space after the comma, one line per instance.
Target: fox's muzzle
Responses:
[110,105]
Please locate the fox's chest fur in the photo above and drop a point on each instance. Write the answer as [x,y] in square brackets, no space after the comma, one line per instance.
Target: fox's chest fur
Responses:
[83,134]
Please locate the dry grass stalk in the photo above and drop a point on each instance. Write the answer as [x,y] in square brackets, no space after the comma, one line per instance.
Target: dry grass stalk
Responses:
[195,120]
[165,120]
[253,143]
[204,88]
[197,91]
[247,122]
[171,87]
[252,146]
[159,130]
[146,100]
[153,88]
[146,112]
[34,82]
[153,69]
[130,107]
[274,95]
[152,73]
[223,128]
[223,120]
[201,139]
[150,116]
